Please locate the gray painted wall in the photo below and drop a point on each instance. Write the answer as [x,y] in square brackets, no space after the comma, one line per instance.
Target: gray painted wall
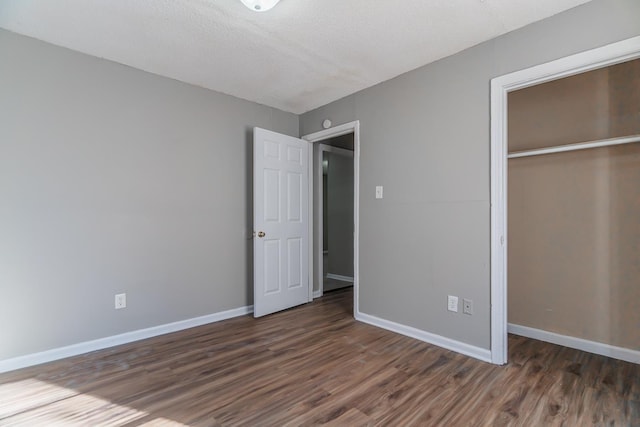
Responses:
[340,214]
[116,180]
[425,137]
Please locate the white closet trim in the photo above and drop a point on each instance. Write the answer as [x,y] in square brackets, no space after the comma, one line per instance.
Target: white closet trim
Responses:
[574,147]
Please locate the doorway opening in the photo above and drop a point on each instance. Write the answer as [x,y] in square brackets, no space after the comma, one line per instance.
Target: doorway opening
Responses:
[501,87]
[334,227]
[336,224]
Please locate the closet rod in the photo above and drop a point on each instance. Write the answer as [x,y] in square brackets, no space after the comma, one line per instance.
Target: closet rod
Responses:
[574,147]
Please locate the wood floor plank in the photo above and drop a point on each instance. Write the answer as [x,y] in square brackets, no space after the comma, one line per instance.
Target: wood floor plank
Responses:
[315,365]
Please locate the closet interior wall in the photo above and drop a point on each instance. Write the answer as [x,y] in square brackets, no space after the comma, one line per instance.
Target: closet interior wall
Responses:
[574,217]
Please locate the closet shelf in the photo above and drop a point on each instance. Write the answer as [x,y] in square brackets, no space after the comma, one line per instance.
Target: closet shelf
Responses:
[574,147]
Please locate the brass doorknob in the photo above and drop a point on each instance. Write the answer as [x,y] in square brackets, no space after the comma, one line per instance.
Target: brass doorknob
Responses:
[261,234]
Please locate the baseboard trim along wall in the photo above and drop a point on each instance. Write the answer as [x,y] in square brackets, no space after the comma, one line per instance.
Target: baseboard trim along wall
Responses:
[339,277]
[112,341]
[620,353]
[440,341]
[317,294]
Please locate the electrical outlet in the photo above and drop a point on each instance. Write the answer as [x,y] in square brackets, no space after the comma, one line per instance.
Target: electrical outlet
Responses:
[452,303]
[467,306]
[121,301]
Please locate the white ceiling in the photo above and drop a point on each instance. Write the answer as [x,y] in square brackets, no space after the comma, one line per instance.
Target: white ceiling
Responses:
[300,55]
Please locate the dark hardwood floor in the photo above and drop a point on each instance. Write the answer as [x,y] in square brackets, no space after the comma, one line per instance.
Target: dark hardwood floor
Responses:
[316,365]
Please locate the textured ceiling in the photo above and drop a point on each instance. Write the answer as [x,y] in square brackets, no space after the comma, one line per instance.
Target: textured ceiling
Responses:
[300,55]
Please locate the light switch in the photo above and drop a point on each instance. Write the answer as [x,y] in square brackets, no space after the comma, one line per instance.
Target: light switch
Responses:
[379,192]
[452,303]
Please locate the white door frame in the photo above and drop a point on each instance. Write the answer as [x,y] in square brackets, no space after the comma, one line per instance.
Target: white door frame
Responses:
[500,86]
[319,215]
[351,127]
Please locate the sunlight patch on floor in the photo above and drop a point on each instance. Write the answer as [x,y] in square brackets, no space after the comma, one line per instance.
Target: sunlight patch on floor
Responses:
[32,402]
[162,422]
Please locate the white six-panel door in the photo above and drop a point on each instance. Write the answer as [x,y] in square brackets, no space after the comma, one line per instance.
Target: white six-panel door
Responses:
[281,221]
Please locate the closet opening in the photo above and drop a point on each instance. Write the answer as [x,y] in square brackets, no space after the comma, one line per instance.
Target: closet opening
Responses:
[574,210]
[565,163]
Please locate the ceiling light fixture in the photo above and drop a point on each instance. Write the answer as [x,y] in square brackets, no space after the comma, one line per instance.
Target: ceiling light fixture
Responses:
[260,5]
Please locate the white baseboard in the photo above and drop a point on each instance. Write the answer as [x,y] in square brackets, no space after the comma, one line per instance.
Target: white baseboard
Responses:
[114,340]
[317,294]
[440,341]
[602,349]
[339,277]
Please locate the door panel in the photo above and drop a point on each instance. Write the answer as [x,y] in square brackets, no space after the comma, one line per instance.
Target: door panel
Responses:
[294,191]
[295,262]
